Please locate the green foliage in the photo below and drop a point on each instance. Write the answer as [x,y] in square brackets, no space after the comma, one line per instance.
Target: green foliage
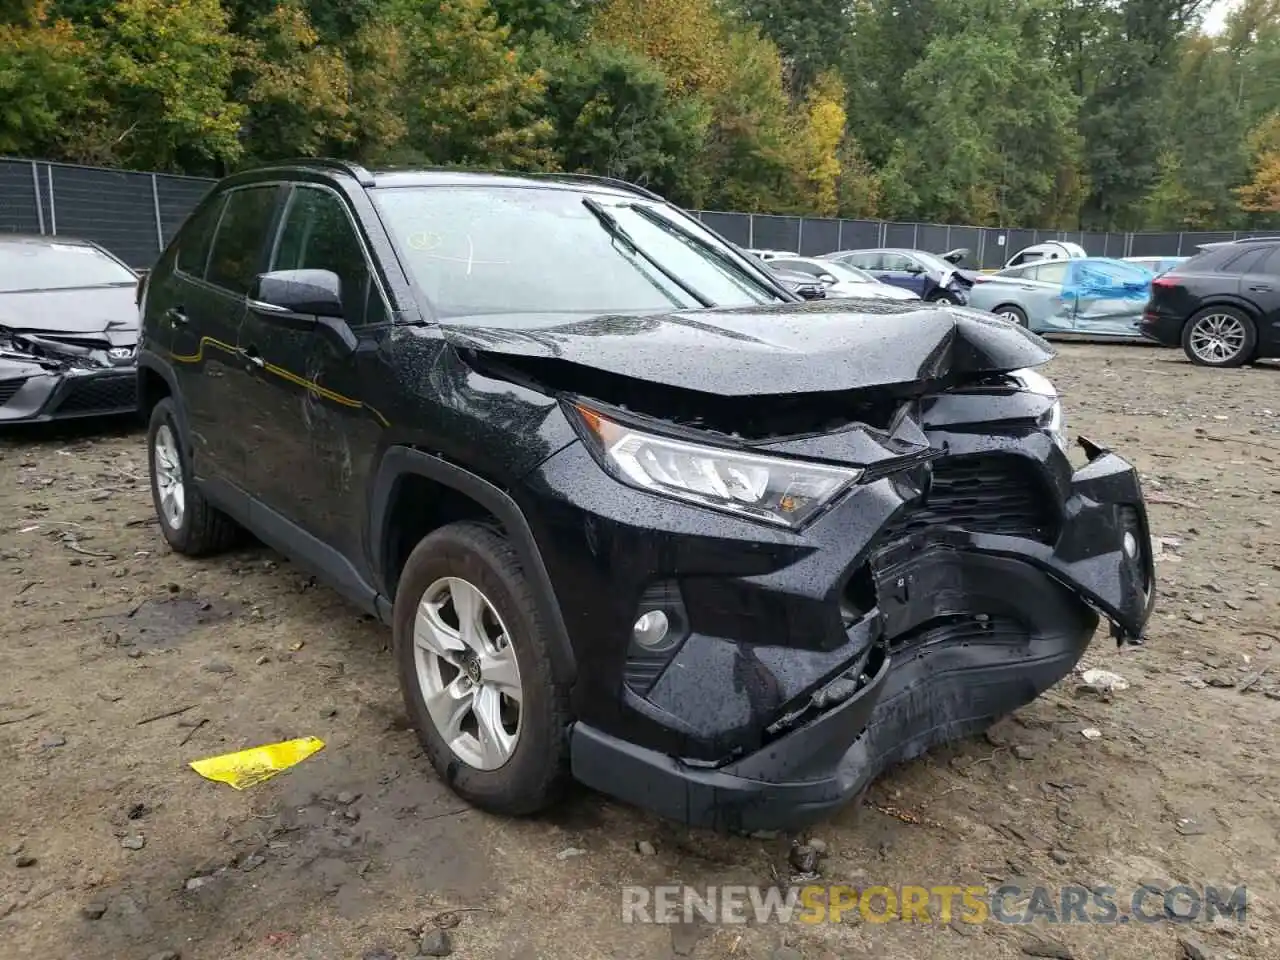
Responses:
[1070,114]
[614,116]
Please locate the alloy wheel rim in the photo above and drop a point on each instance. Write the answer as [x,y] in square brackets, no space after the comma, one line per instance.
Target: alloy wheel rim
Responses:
[1011,317]
[170,488]
[943,301]
[1217,338]
[467,673]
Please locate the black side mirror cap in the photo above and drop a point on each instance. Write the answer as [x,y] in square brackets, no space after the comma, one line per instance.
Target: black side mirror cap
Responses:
[314,292]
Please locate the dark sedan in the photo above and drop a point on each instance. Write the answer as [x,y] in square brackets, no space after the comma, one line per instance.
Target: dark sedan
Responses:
[927,275]
[1222,306]
[68,330]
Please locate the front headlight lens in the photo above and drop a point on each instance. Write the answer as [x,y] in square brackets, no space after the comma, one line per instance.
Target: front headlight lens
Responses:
[772,489]
[1053,421]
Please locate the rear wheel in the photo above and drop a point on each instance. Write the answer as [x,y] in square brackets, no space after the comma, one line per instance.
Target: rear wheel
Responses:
[189,523]
[1220,337]
[943,299]
[475,671]
[1011,313]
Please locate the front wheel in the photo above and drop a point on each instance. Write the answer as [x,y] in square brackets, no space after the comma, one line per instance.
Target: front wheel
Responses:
[943,299]
[1220,337]
[475,671]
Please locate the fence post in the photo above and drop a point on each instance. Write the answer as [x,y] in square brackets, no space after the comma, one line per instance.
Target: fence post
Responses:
[53,207]
[840,234]
[915,236]
[1181,236]
[35,185]
[800,238]
[155,207]
[751,231]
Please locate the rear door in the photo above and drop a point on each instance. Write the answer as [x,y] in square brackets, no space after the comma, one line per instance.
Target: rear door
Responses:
[207,319]
[1260,284]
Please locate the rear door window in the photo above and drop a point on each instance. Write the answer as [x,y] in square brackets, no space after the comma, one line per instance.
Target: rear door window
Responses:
[196,237]
[799,266]
[1050,272]
[241,238]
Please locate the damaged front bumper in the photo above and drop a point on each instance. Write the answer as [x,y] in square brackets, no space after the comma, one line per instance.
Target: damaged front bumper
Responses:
[808,665]
[34,393]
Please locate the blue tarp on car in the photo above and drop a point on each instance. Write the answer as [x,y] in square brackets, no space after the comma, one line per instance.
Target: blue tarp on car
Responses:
[1108,296]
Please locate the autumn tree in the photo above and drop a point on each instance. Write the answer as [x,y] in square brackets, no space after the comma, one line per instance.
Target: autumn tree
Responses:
[44,86]
[821,134]
[297,90]
[165,70]
[1262,193]
[684,37]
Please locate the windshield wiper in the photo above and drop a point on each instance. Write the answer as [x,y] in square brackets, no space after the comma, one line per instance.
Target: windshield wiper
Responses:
[662,223]
[619,233]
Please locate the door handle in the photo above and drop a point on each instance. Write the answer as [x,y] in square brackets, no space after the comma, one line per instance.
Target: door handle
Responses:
[253,357]
[1261,288]
[175,316]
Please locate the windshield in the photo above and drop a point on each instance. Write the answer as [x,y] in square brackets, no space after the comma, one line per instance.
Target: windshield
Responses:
[510,250]
[932,261]
[57,266]
[850,274]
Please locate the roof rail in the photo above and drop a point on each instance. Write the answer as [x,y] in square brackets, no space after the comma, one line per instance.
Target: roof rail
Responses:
[362,175]
[609,181]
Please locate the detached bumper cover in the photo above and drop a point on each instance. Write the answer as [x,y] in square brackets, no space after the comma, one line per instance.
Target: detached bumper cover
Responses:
[934,669]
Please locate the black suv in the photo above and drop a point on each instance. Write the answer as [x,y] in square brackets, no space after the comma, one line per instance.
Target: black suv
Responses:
[634,512]
[1222,306]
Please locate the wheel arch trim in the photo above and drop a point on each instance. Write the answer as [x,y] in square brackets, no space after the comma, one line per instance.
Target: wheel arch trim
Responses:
[399,462]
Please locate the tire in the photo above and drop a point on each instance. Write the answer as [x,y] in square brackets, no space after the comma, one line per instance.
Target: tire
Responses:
[942,300]
[197,528]
[1015,314]
[535,771]
[1220,336]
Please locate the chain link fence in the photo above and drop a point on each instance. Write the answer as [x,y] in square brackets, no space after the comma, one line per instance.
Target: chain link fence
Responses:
[134,214]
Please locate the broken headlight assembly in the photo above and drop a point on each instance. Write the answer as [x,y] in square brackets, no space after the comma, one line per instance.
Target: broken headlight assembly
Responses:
[1053,421]
[774,490]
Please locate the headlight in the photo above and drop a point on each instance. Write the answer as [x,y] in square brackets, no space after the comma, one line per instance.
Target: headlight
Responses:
[1054,421]
[772,489]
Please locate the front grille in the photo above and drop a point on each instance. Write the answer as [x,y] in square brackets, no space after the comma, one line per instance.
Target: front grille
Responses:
[103,394]
[985,493]
[8,388]
[962,631]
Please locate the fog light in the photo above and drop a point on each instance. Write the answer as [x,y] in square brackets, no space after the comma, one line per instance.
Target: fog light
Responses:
[650,631]
[1130,545]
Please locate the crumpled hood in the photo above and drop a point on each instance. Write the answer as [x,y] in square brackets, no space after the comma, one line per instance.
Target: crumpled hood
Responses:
[789,348]
[100,313]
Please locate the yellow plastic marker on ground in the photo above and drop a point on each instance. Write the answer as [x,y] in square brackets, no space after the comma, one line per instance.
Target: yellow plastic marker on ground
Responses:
[244,768]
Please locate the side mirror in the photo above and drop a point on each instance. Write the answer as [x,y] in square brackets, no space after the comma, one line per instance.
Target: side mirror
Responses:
[313,292]
[828,279]
[915,269]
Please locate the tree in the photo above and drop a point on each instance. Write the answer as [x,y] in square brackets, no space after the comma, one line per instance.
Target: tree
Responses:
[821,136]
[1262,193]
[811,34]
[561,20]
[751,146]
[684,37]
[614,116]
[466,98]
[165,69]
[43,85]
[295,88]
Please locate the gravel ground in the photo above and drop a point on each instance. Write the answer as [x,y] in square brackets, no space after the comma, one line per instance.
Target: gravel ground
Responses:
[113,848]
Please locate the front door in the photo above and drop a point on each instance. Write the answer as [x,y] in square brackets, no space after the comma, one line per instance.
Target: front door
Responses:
[901,271]
[313,443]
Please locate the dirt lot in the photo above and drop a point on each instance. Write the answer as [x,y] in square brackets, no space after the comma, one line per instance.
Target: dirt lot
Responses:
[104,828]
